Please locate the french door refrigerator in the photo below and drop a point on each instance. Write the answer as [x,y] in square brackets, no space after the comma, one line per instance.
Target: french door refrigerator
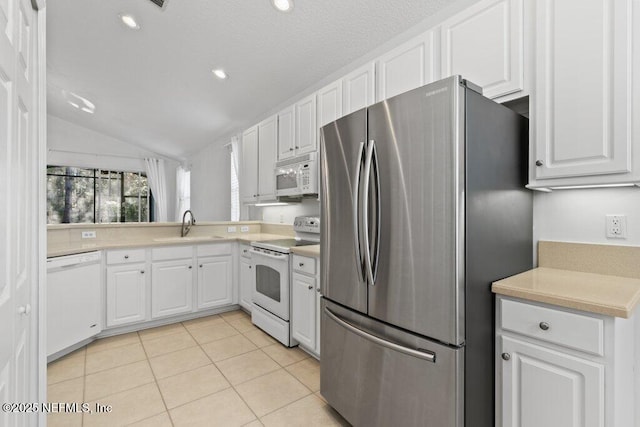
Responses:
[423,206]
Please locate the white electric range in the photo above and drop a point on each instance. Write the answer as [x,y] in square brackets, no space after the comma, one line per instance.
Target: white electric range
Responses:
[271,262]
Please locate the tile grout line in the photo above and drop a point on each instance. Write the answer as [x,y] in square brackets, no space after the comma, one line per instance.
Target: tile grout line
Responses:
[155,379]
[226,379]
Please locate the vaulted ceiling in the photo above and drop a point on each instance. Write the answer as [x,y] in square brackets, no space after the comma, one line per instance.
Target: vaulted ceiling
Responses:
[154,88]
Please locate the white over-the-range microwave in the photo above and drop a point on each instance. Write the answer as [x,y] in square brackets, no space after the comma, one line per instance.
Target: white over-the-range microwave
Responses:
[297,176]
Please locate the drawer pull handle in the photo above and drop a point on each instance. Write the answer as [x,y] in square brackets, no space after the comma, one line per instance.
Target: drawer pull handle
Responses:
[310,287]
[190,267]
[141,271]
[244,251]
[506,356]
[126,257]
[544,326]
[200,265]
[301,264]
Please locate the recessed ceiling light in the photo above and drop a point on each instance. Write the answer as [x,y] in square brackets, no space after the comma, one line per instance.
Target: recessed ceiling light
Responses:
[220,73]
[283,5]
[129,21]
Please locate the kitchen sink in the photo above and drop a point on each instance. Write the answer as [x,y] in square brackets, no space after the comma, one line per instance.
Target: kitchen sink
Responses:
[186,239]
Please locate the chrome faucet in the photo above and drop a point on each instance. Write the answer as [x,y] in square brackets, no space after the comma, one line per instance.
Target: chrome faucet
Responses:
[186,227]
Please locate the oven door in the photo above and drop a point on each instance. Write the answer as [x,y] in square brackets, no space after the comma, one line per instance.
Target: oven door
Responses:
[272,282]
[287,181]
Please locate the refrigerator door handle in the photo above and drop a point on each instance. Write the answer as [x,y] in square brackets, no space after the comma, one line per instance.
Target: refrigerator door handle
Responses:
[365,212]
[376,227]
[420,354]
[356,213]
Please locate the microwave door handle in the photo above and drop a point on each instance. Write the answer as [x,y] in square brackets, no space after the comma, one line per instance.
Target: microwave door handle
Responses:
[356,213]
[365,213]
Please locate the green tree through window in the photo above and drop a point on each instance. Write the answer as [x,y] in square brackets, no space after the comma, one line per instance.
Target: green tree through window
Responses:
[78,195]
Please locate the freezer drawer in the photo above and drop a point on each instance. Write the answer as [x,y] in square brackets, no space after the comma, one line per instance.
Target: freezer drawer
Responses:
[376,375]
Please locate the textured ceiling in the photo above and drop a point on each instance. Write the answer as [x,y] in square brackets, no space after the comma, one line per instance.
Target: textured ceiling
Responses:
[154,87]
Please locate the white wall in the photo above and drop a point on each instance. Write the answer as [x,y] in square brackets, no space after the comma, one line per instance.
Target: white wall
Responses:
[211,184]
[579,215]
[69,145]
[285,214]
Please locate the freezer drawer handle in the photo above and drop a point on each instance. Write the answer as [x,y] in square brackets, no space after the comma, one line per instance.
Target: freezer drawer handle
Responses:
[422,354]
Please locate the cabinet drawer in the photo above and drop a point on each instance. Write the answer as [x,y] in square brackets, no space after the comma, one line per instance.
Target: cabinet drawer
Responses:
[555,326]
[171,253]
[125,256]
[244,251]
[304,264]
[214,250]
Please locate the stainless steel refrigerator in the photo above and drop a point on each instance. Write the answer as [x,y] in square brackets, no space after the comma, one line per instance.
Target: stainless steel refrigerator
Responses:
[423,206]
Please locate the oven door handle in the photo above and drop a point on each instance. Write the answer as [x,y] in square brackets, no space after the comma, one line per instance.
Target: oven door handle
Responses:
[278,257]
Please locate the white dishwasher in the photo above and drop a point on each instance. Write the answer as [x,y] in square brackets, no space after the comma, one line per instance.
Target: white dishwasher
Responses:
[73,300]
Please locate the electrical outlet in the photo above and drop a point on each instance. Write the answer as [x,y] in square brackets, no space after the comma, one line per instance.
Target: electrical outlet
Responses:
[616,226]
[244,228]
[88,234]
[231,229]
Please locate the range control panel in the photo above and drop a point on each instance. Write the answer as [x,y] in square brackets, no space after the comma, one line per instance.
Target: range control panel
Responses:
[307,224]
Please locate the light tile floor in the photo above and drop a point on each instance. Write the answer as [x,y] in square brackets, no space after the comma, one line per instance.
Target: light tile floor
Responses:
[213,371]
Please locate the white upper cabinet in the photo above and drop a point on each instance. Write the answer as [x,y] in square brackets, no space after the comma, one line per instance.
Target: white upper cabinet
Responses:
[329,103]
[267,147]
[582,109]
[306,128]
[249,181]
[406,67]
[286,133]
[485,44]
[359,89]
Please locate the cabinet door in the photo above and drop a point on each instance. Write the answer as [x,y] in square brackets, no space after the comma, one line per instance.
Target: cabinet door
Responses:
[215,281]
[485,45]
[306,129]
[583,88]
[286,132]
[126,294]
[267,148]
[329,103]
[249,179]
[406,67]
[247,283]
[171,288]
[542,387]
[358,89]
[318,302]
[303,310]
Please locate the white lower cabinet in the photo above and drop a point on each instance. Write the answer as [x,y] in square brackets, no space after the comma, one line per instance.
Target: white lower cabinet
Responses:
[543,387]
[558,367]
[215,281]
[171,287]
[126,294]
[305,303]
[303,310]
[247,283]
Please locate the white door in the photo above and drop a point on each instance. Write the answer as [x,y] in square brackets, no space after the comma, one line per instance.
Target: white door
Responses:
[171,288]
[306,129]
[485,44]
[303,310]
[329,103]
[249,171]
[19,219]
[126,294]
[267,149]
[286,133]
[406,67]
[247,283]
[359,88]
[542,387]
[583,88]
[215,281]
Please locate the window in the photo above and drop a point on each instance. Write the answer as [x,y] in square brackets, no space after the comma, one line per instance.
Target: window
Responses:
[77,195]
[183,186]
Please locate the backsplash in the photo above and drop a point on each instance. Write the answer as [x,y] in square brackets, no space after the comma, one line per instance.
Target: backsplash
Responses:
[579,215]
[284,214]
